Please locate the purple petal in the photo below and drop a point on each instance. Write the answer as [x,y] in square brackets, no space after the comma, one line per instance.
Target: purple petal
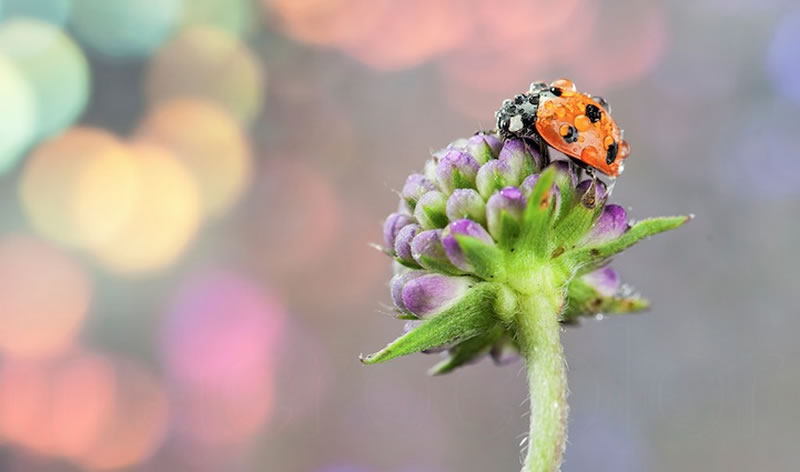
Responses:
[456,169]
[585,185]
[605,281]
[431,293]
[466,203]
[393,224]
[415,187]
[398,282]
[451,246]
[427,246]
[402,243]
[510,200]
[611,224]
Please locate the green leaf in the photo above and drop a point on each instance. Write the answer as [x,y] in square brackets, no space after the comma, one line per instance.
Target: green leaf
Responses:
[588,258]
[487,260]
[576,223]
[469,317]
[468,351]
[538,213]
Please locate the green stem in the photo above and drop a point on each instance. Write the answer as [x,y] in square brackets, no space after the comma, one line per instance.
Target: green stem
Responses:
[540,341]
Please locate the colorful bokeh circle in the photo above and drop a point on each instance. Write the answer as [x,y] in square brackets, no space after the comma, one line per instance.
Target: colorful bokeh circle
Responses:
[53,65]
[18,121]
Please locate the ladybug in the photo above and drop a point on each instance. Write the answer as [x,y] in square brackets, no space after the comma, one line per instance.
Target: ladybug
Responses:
[572,122]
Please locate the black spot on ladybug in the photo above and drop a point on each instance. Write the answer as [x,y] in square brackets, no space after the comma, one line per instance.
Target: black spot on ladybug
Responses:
[571,136]
[534,99]
[611,154]
[556,91]
[593,113]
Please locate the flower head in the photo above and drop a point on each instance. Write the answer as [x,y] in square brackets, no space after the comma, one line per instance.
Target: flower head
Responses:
[480,228]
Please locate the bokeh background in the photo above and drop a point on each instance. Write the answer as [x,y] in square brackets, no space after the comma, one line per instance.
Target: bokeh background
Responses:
[189,188]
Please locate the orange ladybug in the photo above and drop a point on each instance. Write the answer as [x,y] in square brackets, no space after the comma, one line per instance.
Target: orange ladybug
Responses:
[572,122]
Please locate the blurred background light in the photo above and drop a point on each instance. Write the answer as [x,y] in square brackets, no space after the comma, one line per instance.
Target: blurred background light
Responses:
[52,11]
[137,422]
[220,342]
[302,216]
[209,142]
[165,217]
[45,297]
[125,28]
[783,56]
[55,68]
[203,62]
[18,122]
[79,187]
[232,16]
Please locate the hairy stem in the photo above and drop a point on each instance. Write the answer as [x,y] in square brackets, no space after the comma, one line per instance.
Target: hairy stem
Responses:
[540,342]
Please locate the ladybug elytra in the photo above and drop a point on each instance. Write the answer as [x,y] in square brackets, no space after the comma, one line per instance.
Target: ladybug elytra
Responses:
[572,122]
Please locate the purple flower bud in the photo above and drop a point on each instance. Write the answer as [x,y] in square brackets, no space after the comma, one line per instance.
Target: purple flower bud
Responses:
[504,352]
[611,224]
[399,281]
[415,187]
[393,224]
[585,185]
[495,175]
[605,281]
[466,203]
[456,169]
[528,184]
[432,293]
[509,200]
[565,174]
[519,158]
[402,242]
[428,251]
[591,192]
[483,147]
[431,210]
[451,246]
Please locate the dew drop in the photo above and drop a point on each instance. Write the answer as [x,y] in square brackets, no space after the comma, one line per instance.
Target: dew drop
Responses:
[582,122]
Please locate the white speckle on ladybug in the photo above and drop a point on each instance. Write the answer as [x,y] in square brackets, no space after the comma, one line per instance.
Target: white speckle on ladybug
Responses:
[515,123]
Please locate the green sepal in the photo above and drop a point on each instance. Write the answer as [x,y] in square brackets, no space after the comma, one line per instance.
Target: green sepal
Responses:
[412,264]
[584,300]
[577,222]
[589,258]
[566,189]
[468,351]
[436,265]
[508,231]
[406,316]
[538,213]
[471,316]
[487,260]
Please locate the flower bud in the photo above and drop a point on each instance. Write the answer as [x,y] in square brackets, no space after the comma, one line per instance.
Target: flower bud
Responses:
[415,187]
[586,185]
[402,242]
[483,147]
[493,176]
[431,210]
[604,281]
[511,202]
[519,157]
[466,203]
[456,169]
[451,246]
[611,224]
[432,293]
[504,352]
[428,251]
[398,282]
[393,224]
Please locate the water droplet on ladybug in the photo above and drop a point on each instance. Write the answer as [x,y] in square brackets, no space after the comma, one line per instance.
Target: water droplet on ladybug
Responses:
[590,154]
[561,112]
[624,149]
[608,141]
[582,122]
[565,85]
